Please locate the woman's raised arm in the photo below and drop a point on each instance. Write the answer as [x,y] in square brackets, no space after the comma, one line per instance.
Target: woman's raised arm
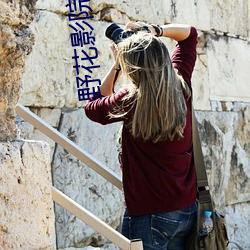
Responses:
[178,32]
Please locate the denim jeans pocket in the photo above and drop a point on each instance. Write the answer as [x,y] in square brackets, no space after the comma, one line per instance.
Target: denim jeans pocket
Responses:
[163,229]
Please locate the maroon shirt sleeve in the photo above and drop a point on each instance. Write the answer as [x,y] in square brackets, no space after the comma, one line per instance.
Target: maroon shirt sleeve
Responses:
[184,56]
[99,110]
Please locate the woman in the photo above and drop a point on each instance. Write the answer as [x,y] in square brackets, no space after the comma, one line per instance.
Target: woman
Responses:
[157,151]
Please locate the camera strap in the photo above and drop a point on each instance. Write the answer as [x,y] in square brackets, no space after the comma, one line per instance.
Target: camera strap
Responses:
[116,76]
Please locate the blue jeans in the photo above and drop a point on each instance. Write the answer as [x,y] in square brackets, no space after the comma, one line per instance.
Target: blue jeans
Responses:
[161,231]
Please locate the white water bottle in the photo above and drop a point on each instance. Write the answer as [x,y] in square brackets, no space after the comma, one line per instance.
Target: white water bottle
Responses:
[207,223]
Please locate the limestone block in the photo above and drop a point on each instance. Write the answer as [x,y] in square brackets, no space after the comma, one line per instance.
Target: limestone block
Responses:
[56,6]
[26,207]
[230,16]
[82,184]
[27,131]
[150,11]
[45,76]
[210,15]
[220,74]
[200,77]
[14,13]
[111,15]
[190,11]
[15,43]
[111,11]
[248,19]
[107,13]
[228,62]
[238,221]
[7,15]
[225,140]
[51,116]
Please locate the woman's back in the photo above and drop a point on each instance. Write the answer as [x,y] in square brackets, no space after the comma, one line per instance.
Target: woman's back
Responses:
[157,160]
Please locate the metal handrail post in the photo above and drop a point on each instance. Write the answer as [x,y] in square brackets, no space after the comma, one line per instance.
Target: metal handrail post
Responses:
[70,146]
[136,245]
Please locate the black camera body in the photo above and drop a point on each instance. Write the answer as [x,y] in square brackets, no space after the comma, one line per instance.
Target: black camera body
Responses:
[115,33]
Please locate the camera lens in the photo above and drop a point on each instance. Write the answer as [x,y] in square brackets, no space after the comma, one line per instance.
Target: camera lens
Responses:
[115,33]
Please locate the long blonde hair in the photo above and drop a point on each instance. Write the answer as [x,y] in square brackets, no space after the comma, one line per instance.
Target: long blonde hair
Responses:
[159,104]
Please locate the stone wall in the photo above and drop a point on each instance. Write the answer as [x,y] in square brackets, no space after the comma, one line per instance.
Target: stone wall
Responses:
[15,43]
[26,207]
[221,98]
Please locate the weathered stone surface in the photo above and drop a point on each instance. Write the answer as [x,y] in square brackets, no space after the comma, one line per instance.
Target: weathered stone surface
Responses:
[45,77]
[133,10]
[27,131]
[219,64]
[56,6]
[233,10]
[225,137]
[110,14]
[16,13]
[26,207]
[190,11]
[238,221]
[210,15]
[82,184]
[15,43]
[227,70]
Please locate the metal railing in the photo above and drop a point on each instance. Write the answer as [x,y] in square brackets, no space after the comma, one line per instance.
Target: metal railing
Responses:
[66,202]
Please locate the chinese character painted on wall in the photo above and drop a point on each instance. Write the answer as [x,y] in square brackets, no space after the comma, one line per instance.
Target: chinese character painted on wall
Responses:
[82,34]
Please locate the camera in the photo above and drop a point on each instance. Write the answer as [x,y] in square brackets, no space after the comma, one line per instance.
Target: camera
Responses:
[115,33]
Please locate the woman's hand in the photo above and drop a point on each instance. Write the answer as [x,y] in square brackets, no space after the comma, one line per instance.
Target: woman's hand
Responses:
[114,50]
[138,24]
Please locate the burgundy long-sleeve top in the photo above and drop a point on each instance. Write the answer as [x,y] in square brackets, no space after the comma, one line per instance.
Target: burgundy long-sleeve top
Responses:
[157,177]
